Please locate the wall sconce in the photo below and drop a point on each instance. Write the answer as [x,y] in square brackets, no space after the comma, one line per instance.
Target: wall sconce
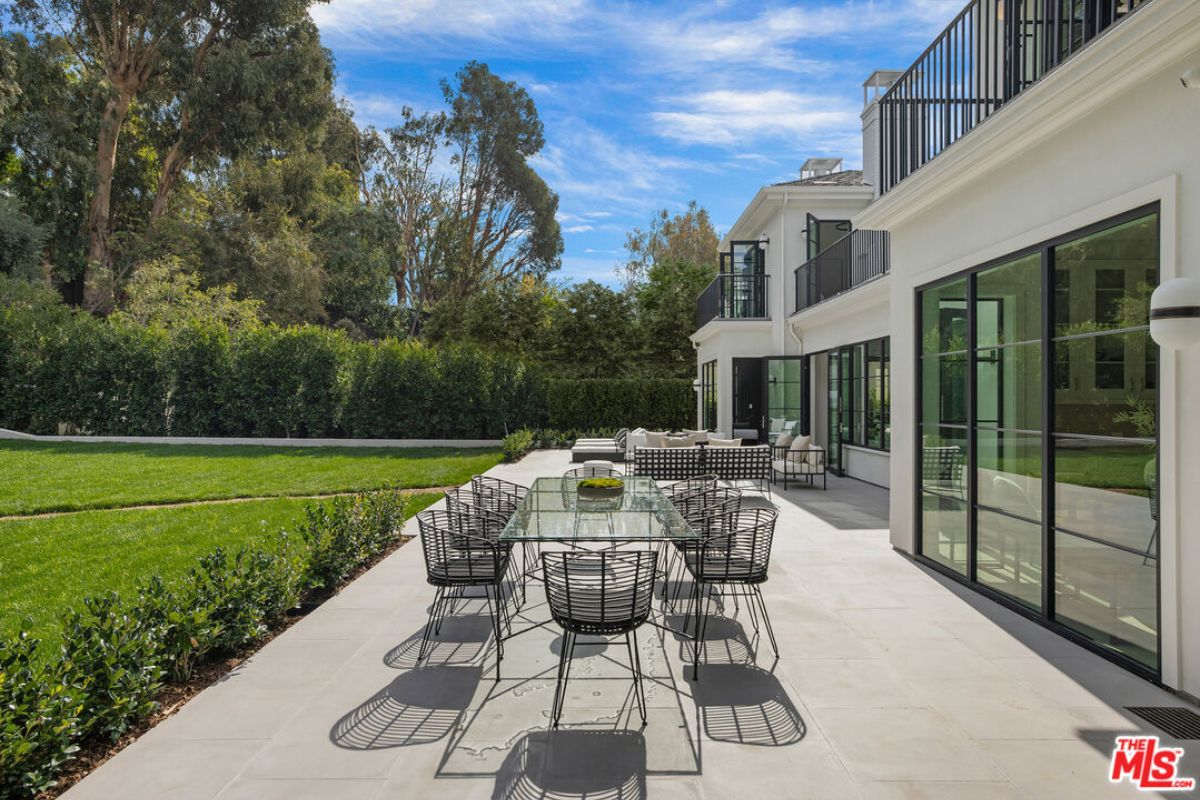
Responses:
[1175,313]
[763,240]
[696,385]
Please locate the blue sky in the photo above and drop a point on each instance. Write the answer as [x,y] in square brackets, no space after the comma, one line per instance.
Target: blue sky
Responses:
[646,105]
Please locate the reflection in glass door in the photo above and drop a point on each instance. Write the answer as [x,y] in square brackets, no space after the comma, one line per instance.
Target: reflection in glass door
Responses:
[1037,411]
[784,394]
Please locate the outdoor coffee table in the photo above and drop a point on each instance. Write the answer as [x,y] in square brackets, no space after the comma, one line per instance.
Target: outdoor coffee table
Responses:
[552,513]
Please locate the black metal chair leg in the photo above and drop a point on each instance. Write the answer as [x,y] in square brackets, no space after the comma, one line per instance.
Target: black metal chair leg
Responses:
[701,630]
[433,611]
[494,611]
[766,619]
[635,664]
[559,687]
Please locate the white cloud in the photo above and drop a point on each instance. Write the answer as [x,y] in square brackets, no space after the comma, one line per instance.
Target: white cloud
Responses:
[577,229]
[430,24]
[727,117]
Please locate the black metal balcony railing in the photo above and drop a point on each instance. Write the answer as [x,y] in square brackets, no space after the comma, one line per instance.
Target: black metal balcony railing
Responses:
[733,297]
[992,51]
[858,257]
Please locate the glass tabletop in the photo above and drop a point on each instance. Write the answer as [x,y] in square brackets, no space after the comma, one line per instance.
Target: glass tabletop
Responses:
[552,510]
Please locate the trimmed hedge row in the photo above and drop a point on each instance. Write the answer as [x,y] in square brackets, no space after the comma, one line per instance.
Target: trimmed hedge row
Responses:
[654,403]
[61,369]
[118,652]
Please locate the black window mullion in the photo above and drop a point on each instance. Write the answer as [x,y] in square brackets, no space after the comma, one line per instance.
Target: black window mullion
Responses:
[1049,356]
[972,428]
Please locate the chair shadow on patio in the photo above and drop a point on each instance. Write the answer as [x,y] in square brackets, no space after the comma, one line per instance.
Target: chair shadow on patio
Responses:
[419,707]
[725,641]
[462,640]
[745,704]
[565,764]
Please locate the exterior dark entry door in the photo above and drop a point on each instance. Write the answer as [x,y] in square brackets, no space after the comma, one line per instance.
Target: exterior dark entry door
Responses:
[747,397]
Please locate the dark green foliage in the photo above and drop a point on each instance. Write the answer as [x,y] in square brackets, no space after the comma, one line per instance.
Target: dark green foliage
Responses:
[199,367]
[663,403]
[114,656]
[39,718]
[115,650]
[517,444]
[349,531]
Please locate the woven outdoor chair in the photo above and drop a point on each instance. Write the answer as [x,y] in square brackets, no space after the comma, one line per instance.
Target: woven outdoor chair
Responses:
[497,510]
[594,472]
[463,550]
[698,510]
[734,555]
[605,593]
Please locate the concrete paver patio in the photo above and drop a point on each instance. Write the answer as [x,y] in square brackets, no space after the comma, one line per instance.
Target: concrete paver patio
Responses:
[892,683]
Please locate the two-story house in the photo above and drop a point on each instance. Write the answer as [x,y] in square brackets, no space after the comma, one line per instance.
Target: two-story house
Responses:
[966,321]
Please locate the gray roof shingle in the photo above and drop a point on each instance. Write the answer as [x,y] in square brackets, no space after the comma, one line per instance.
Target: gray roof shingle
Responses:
[847,177]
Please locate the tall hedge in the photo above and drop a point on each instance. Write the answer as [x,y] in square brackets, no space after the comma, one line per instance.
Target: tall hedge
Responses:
[66,370]
[656,403]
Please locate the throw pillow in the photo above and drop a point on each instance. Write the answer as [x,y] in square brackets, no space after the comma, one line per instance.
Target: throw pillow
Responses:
[655,438]
[784,440]
[797,449]
[697,436]
[724,442]
[678,441]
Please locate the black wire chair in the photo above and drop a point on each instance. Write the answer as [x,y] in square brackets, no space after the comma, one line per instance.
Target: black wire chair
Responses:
[734,555]
[699,510]
[500,499]
[498,495]
[604,593]
[463,550]
[594,472]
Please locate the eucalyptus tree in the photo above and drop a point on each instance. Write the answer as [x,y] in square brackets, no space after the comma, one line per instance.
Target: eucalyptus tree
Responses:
[159,51]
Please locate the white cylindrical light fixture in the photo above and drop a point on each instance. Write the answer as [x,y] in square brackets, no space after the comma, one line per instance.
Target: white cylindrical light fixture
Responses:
[1175,313]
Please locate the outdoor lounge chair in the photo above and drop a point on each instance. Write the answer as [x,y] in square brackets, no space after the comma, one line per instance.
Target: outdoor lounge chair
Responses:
[606,449]
[796,465]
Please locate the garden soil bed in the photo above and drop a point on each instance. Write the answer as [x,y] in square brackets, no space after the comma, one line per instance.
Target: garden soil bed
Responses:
[173,697]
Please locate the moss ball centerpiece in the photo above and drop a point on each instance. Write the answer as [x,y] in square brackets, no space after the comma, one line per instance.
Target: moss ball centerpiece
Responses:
[600,488]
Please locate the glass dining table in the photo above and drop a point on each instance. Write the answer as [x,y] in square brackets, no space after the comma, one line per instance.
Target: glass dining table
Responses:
[553,511]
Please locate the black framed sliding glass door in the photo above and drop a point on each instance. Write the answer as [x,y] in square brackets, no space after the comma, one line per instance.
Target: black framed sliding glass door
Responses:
[1037,421]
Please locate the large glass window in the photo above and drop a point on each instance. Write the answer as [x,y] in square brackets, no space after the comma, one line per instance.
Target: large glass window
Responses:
[1039,372]
[859,394]
[708,395]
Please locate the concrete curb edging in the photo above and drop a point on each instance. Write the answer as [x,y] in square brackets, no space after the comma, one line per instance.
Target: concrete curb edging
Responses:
[264,442]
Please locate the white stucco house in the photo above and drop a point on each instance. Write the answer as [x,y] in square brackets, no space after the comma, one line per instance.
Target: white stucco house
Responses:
[966,319]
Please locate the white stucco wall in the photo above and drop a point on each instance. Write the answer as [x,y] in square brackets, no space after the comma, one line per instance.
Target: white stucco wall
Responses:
[1110,131]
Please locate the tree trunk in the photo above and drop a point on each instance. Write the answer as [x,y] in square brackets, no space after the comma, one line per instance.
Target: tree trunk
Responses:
[97,292]
[168,176]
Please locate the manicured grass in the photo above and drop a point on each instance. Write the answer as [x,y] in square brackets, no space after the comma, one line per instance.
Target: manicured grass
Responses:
[1120,469]
[39,476]
[48,565]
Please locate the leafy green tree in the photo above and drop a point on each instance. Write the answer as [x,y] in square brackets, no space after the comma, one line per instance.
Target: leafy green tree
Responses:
[593,335]
[21,241]
[156,53]
[514,317]
[667,313]
[688,237]
[163,294]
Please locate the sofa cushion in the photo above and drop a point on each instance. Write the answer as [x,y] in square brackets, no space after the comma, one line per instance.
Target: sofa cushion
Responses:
[724,442]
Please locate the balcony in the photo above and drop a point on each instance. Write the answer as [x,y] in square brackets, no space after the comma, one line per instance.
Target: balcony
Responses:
[990,53]
[732,296]
[858,257]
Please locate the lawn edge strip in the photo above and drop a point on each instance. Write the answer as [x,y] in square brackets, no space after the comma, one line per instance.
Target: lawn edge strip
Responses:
[63,512]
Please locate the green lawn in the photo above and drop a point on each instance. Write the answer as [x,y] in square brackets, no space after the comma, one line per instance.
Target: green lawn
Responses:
[48,564]
[37,476]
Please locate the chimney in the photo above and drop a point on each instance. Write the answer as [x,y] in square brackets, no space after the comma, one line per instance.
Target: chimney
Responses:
[816,167]
[874,88]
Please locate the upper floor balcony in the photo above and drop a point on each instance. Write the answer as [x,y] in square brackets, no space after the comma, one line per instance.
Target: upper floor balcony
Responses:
[991,52]
[857,258]
[733,296]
